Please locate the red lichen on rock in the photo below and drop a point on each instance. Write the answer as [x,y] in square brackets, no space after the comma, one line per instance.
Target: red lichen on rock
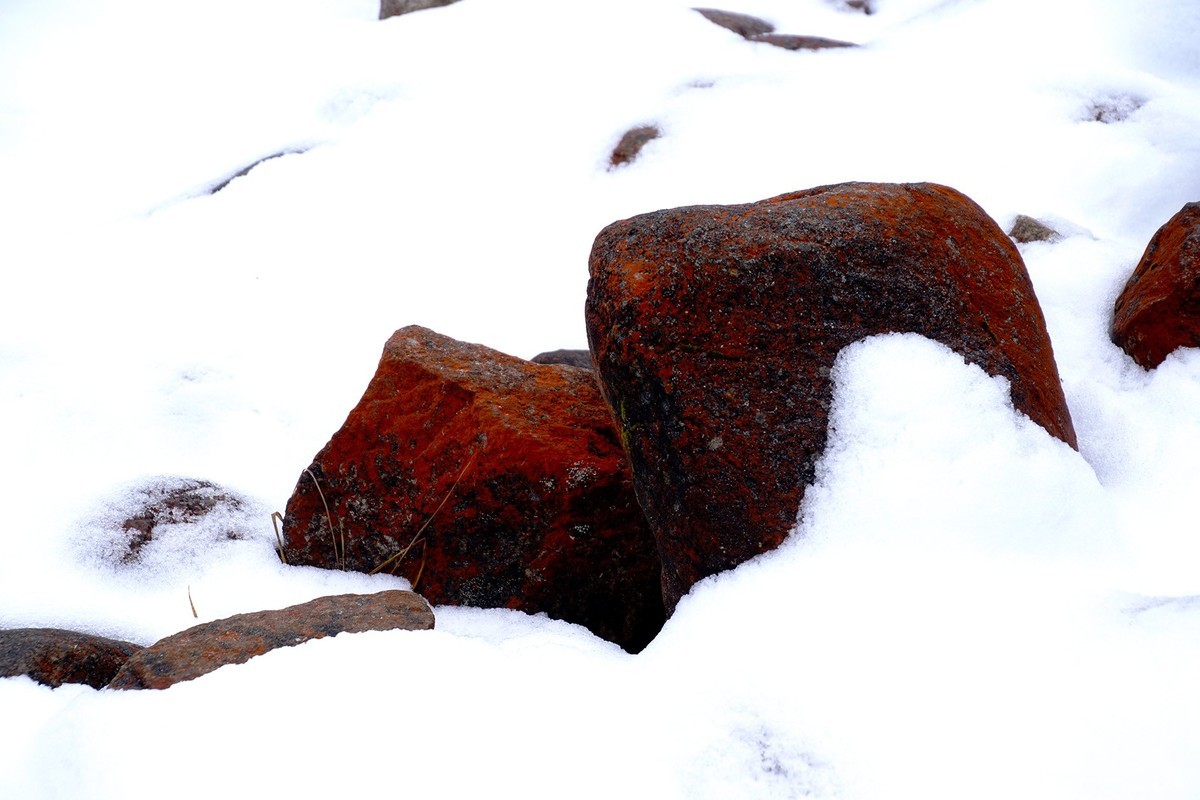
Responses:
[506,478]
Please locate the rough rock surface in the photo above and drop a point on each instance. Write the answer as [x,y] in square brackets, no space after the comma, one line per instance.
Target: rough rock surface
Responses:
[631,144]
[53,656]
[572,358]
[394,8]
[1159,308]
[201,649]
[487,481]
[714,329]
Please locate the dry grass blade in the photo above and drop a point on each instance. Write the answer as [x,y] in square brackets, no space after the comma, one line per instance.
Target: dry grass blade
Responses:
[339,559]
[190,603]
[276,519]
[398,557]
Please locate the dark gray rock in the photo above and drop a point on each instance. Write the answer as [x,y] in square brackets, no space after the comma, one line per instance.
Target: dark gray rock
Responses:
[572,358]
[790,41]
[743,25]
[394,8]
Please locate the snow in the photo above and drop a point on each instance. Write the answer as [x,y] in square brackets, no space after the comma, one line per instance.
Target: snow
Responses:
[968,608]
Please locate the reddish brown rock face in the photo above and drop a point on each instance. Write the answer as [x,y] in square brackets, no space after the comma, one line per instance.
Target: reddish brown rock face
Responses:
[714,329]
[52,656]
[506,478]
[1159,308]
[204,648]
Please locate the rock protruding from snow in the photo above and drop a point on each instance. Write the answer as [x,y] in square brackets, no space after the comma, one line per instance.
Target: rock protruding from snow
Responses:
[1026,229]
[394,8]
[629,147]
[754,29]
[791,41]
[714,329]
[488,481]
[743,25]
[1158,311]
[52,656]
[572,358]
[201,649]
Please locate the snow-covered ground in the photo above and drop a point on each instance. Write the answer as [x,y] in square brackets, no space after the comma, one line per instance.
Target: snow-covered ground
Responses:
[968,608]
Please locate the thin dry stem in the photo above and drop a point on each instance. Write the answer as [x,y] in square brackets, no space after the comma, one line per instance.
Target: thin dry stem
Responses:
[338,560]
[276,520]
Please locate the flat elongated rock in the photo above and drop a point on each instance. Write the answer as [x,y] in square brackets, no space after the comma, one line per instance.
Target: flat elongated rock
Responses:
[791,41]
[485,480]
[53,656]
[1158,311]
[201,649]
[714,329]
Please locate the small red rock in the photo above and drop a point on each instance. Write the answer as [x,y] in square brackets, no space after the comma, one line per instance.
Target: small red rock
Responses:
[714,328]
[486,480]
[1159,308]
[201,649]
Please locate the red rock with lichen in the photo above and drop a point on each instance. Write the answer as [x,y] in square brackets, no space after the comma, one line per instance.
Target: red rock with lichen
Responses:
[714,328]
[1158,311]
[487,481]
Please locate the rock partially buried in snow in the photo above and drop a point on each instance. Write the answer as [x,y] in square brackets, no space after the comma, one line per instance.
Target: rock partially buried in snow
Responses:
[714,329]
[790,41]
[1026,229]
[743,25]
[754,29]
[52,656]
[201,649]
[487,481]
[168,502]
[395,8]
[1158,311]
[631,143]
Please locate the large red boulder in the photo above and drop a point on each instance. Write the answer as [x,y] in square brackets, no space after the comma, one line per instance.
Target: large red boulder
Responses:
[487,481]
[714,329]
[204,648]
[1159,308]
